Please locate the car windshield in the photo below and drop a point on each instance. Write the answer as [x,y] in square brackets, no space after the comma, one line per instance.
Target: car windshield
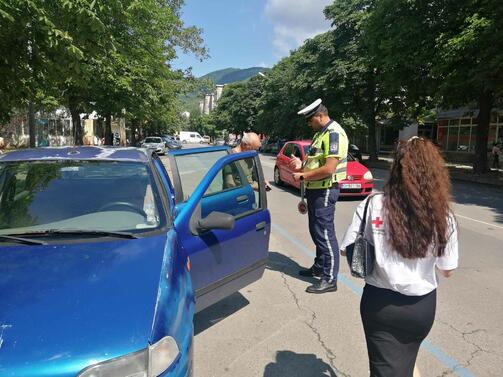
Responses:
[153,140]
[78,195]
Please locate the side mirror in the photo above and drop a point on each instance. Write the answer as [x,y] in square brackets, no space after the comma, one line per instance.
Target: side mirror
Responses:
[215,220]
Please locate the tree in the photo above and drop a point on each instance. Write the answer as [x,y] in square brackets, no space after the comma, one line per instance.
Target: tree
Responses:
[237,108]
[445,52]
[107,55]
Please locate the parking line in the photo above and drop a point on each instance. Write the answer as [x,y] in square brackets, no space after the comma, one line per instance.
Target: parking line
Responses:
[478,221]
[440,355]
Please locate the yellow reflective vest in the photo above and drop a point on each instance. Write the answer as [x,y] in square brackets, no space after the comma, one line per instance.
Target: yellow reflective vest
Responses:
[331,141]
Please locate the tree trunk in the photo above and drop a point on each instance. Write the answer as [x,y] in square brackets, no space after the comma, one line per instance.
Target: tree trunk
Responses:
[31,125]
[76,127]
[485,103]
[108,130]
[371,118]
[372,139]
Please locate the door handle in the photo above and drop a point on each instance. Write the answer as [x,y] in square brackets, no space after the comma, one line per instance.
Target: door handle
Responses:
[242,198]
[260,225]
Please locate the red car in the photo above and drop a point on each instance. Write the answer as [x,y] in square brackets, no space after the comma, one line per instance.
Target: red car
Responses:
[359,180]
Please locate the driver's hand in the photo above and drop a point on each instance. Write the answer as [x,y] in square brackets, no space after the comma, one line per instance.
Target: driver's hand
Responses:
[295,163]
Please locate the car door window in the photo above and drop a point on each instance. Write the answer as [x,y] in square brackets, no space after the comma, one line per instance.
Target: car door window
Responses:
[296,151]
[235,190]
[193,167]
[288,150]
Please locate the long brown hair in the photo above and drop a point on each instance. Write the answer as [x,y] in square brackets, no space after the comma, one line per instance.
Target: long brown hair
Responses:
[416,200]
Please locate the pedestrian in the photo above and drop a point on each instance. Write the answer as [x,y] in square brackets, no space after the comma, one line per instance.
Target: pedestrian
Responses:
[496,155]
[321,172]
[414,233]
[249,142]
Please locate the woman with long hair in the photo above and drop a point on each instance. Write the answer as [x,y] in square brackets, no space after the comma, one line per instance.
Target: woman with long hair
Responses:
[414,234]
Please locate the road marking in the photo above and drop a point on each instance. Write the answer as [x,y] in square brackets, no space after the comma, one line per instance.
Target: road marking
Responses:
[440,355]
[478,221]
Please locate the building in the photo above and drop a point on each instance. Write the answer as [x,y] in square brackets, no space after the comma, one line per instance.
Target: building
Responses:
[56,129]
[457,129]
[210,100]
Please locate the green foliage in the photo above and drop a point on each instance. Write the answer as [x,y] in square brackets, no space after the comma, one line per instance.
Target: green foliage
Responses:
[441,53]
[104,55]
[237,108]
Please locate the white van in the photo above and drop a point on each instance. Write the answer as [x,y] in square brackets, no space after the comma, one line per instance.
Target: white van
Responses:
[190,137]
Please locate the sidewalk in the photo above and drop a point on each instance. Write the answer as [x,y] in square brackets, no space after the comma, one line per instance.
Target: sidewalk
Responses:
[458,172]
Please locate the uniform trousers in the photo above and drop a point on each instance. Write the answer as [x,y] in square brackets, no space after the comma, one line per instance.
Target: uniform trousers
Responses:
[395,325]
[321,211]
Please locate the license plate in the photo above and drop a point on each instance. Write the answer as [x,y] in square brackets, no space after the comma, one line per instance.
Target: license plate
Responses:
[351,185]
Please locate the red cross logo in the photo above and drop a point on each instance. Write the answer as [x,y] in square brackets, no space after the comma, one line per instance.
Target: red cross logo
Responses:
[377,222]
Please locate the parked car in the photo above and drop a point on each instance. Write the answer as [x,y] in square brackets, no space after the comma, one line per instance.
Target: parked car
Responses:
[272,146]
[206,139]
[233,143]
[171,142]
[359,180]
[154,143]
[104,259]
[219,142]
[190,137]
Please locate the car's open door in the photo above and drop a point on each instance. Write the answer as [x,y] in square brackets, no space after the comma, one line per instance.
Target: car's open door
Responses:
[222,219]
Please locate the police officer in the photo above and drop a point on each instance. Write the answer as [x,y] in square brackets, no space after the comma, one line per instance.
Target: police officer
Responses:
[320,172]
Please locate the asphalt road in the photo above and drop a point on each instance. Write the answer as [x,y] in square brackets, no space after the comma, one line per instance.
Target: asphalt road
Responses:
[273,328]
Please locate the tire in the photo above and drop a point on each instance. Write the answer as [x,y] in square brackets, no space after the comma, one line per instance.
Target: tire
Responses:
[277,178]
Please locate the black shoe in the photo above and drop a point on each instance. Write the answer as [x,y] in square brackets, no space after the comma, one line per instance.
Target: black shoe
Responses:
[311,272]
[322,286]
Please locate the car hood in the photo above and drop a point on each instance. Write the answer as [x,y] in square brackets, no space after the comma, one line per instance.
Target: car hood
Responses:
[64,307]
[355,168]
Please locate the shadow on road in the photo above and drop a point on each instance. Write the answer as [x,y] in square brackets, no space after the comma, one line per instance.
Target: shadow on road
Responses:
[466,193]
[221,310]
[291,364]
[281,263]
[478,195]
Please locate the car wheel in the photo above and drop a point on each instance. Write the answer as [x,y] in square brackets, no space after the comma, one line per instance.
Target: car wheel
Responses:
[277,178]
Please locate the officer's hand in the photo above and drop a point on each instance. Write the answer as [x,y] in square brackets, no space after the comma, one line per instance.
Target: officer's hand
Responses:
[295,163]
[298,176]
[343,252]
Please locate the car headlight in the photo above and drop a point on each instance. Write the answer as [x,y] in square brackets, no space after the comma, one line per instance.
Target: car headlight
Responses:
[368,176]
[150,362]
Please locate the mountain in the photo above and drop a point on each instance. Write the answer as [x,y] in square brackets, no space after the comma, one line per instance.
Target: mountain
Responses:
[230,75]
[190,101]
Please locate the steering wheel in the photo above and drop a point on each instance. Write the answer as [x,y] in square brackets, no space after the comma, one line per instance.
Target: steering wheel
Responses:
[131,206]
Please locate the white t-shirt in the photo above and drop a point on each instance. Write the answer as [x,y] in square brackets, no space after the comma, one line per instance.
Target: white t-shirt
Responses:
[411,277]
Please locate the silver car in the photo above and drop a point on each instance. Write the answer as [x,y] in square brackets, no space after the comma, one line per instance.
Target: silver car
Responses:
[155,143]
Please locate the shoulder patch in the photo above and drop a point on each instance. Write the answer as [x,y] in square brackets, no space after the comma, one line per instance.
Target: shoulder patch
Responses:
[333,142]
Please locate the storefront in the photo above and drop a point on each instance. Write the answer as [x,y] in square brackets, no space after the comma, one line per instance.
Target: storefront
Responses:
[457,130]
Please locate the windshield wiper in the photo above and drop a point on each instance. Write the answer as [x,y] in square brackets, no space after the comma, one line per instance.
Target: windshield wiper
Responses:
[26,241]
[101,233]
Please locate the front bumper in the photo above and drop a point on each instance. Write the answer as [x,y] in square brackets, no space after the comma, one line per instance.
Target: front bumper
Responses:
[364,189]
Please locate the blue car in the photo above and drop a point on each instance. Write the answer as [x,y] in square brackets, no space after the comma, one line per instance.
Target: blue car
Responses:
[107,253]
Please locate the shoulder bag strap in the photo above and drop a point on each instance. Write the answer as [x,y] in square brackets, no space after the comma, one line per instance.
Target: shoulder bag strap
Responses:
[364,218]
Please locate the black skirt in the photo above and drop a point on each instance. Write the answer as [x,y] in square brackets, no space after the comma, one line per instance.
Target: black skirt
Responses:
[395,325]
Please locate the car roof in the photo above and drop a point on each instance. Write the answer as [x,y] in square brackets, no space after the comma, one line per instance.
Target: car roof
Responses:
[78,153]
[300,142]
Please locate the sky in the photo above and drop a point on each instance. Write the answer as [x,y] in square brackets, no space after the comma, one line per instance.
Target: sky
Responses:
[250,33]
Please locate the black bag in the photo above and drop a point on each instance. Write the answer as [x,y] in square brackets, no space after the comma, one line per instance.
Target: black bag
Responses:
[361,253]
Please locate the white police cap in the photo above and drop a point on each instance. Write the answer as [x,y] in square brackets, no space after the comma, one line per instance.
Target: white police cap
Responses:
[310,110]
